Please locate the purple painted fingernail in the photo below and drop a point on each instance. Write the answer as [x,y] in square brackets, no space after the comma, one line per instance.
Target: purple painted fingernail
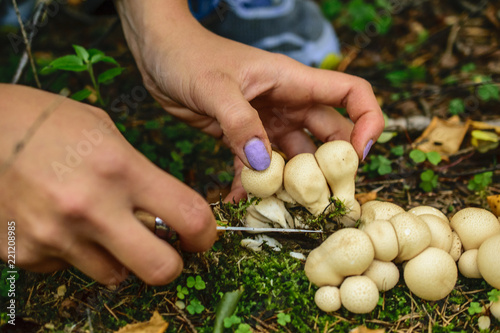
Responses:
[257,155]
[367,148]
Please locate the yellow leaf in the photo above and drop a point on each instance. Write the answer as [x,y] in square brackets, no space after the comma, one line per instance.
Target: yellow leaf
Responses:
[494,203]
[484,136]
[364,329]
[155,325]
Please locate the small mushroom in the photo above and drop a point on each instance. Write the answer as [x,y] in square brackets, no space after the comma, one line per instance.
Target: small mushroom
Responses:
[488,262]
[256,244]
[431,275]
[265,183]
[347,252]
[359,294]
[384,239]
[306,184]
[379,210]
[441,233]
[467,264]
[385,274]
[327,298]
[495,309]
[421,210]
[474,225]
[456,246]
[483,323]
[339,162]
[272,211]
[413,235]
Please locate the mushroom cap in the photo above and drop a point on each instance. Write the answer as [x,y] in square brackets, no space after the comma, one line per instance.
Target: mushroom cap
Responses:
[467,264]
[441,233]
[264,183]
[456,246]
[306,184]
[474,225]
[359,294]
[274,212]
[483,323]
[488,262]
[347,252]
[384,239]
[495,309]
[421,210]
[327,298]
[378,210]
[385,274]
[431,275]
[413,235]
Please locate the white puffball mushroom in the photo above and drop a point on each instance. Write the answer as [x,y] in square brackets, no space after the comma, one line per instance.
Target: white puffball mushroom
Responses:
[474,225]
[467,264]
[346,252]
[327,298]
[264,183]
[440,231]
[272,210]
[488,261]
[483,323]
[456,246]
[384,239]
[495,309]
[385,274]
[379,210]
[306,184]
[339,162]
[431,275]
[359,294]
[413,235]
[421,210]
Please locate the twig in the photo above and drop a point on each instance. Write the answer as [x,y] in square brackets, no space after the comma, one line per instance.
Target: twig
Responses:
[19,146]
[27,43]
[24,58]
[183,315]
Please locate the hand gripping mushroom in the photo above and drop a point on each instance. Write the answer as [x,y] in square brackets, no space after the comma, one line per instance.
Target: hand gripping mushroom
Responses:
[339,162]
[263,184]
[306,184]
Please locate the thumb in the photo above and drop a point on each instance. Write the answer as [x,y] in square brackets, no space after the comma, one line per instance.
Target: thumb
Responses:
[244,132]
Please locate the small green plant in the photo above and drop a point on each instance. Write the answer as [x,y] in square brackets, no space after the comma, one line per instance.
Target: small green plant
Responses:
[230,321]
[195,307]
[378,165]
[456,106]
[197,282]
[419,156]
[494,295]
[474,308]
[429,181]
[243,328]
[182,292]
[488,90]
[84,60]
[480,181]
[398,150]
[406,75]
[283,318]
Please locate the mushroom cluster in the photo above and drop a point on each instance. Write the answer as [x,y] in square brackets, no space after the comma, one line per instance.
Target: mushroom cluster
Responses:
[422,239]
[309,180]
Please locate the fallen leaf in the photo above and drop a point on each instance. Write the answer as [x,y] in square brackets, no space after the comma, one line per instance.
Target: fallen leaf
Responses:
[364,329]
[61,291]
[365,197]
[155,325]
[494,203]
[443,136]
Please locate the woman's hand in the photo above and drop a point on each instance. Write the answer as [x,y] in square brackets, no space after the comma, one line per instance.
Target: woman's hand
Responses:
[73,188]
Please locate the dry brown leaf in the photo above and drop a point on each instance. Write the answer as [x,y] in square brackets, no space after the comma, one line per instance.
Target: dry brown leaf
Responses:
[479,125]
[364,329]
[155,325]
[494,203]
[365,197]
[443,136]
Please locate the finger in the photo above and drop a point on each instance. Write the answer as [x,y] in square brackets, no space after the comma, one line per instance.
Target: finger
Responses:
[296,142]
[340,90]
[326,124]
[177,205]
[242,128]
[237,191]
[96,262]
[153,260]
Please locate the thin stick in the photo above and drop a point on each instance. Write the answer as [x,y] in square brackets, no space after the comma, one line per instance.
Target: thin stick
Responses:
[27,43]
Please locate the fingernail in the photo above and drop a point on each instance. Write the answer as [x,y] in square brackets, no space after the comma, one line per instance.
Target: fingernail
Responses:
[367,148]
[257,155]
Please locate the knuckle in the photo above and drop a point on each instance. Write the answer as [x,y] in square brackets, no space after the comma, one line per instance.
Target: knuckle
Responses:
[110,162]
[72,205]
